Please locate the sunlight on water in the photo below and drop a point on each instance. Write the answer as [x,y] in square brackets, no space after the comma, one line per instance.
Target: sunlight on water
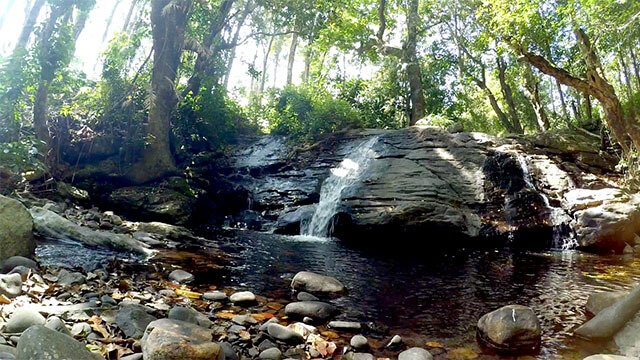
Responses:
[345,175]
[308,238]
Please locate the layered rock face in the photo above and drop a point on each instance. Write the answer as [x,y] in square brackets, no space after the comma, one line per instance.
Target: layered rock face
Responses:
[426,184]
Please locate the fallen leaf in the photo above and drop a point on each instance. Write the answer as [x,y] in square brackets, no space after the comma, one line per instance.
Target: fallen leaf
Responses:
[434,344]
[244,335]
[262,316]
[188,294]
[225,315]
[330,335]
[96,324]
[275,306]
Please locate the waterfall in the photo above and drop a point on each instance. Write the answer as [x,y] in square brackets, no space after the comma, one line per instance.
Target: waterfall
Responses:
[561,238]
[343,176]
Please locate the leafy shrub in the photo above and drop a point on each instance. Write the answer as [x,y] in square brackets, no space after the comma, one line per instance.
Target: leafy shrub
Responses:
[21,156]
[307,112]
[207,122]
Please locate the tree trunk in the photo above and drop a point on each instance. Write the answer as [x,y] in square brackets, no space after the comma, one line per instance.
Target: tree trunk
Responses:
[508,96]
[563,103]
[292,57]
[276,65]
[636,69]
[265,63]
[595,85]
[588,108]
[202,70]
[236,35]
[308,54]
[414,72]
[29,25]
[110,19]
[532,87]
[80,23]
[168,32]
[127,21]
[627,76]
[48,67]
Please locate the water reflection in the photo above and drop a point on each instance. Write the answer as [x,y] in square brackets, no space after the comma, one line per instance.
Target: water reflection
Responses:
[422,295]
[436,295]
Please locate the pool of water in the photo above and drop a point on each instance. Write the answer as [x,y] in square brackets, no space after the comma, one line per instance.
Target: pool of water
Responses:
[423,295]
[437,295]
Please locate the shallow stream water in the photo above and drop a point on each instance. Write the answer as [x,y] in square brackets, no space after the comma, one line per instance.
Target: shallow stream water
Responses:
[423,295]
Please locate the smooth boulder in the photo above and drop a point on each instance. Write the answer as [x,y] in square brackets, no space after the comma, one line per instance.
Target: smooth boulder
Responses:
[39,342]
[602,300]
[16,229]
[22,319]
[510,329]
[11,284]
[133,320]
[168,339]
[15,261]
[610,320]
[242,297]
[316,310]
[181,276]
[415,353]
[284,334]
[316,283]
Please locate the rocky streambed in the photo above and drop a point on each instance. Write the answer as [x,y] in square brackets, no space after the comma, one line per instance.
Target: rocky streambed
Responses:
[498,221]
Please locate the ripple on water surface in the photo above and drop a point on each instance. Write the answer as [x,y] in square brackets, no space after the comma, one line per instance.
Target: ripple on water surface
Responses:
[424,295]
[437,295]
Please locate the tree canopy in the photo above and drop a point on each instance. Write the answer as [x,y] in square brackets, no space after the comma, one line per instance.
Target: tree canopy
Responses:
[180,77]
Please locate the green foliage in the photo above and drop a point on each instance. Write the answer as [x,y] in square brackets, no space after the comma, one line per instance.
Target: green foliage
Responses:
[306,112]
[207,122]
[21,156]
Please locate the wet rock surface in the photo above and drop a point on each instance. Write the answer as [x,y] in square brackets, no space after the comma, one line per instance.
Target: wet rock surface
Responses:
[510,329]
[425,180]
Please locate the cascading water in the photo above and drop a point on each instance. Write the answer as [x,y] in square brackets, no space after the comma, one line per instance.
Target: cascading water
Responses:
[562,239]
[346,174]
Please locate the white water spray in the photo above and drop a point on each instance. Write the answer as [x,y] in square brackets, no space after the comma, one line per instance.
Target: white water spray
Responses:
[345,175]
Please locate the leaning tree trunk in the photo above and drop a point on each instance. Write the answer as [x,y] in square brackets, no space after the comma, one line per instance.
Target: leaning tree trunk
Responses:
[202,70]
[127,21]
[80,23]
[168,27]
[623,130]
[29,24]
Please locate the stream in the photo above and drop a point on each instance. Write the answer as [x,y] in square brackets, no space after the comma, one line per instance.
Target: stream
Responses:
[423,296]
